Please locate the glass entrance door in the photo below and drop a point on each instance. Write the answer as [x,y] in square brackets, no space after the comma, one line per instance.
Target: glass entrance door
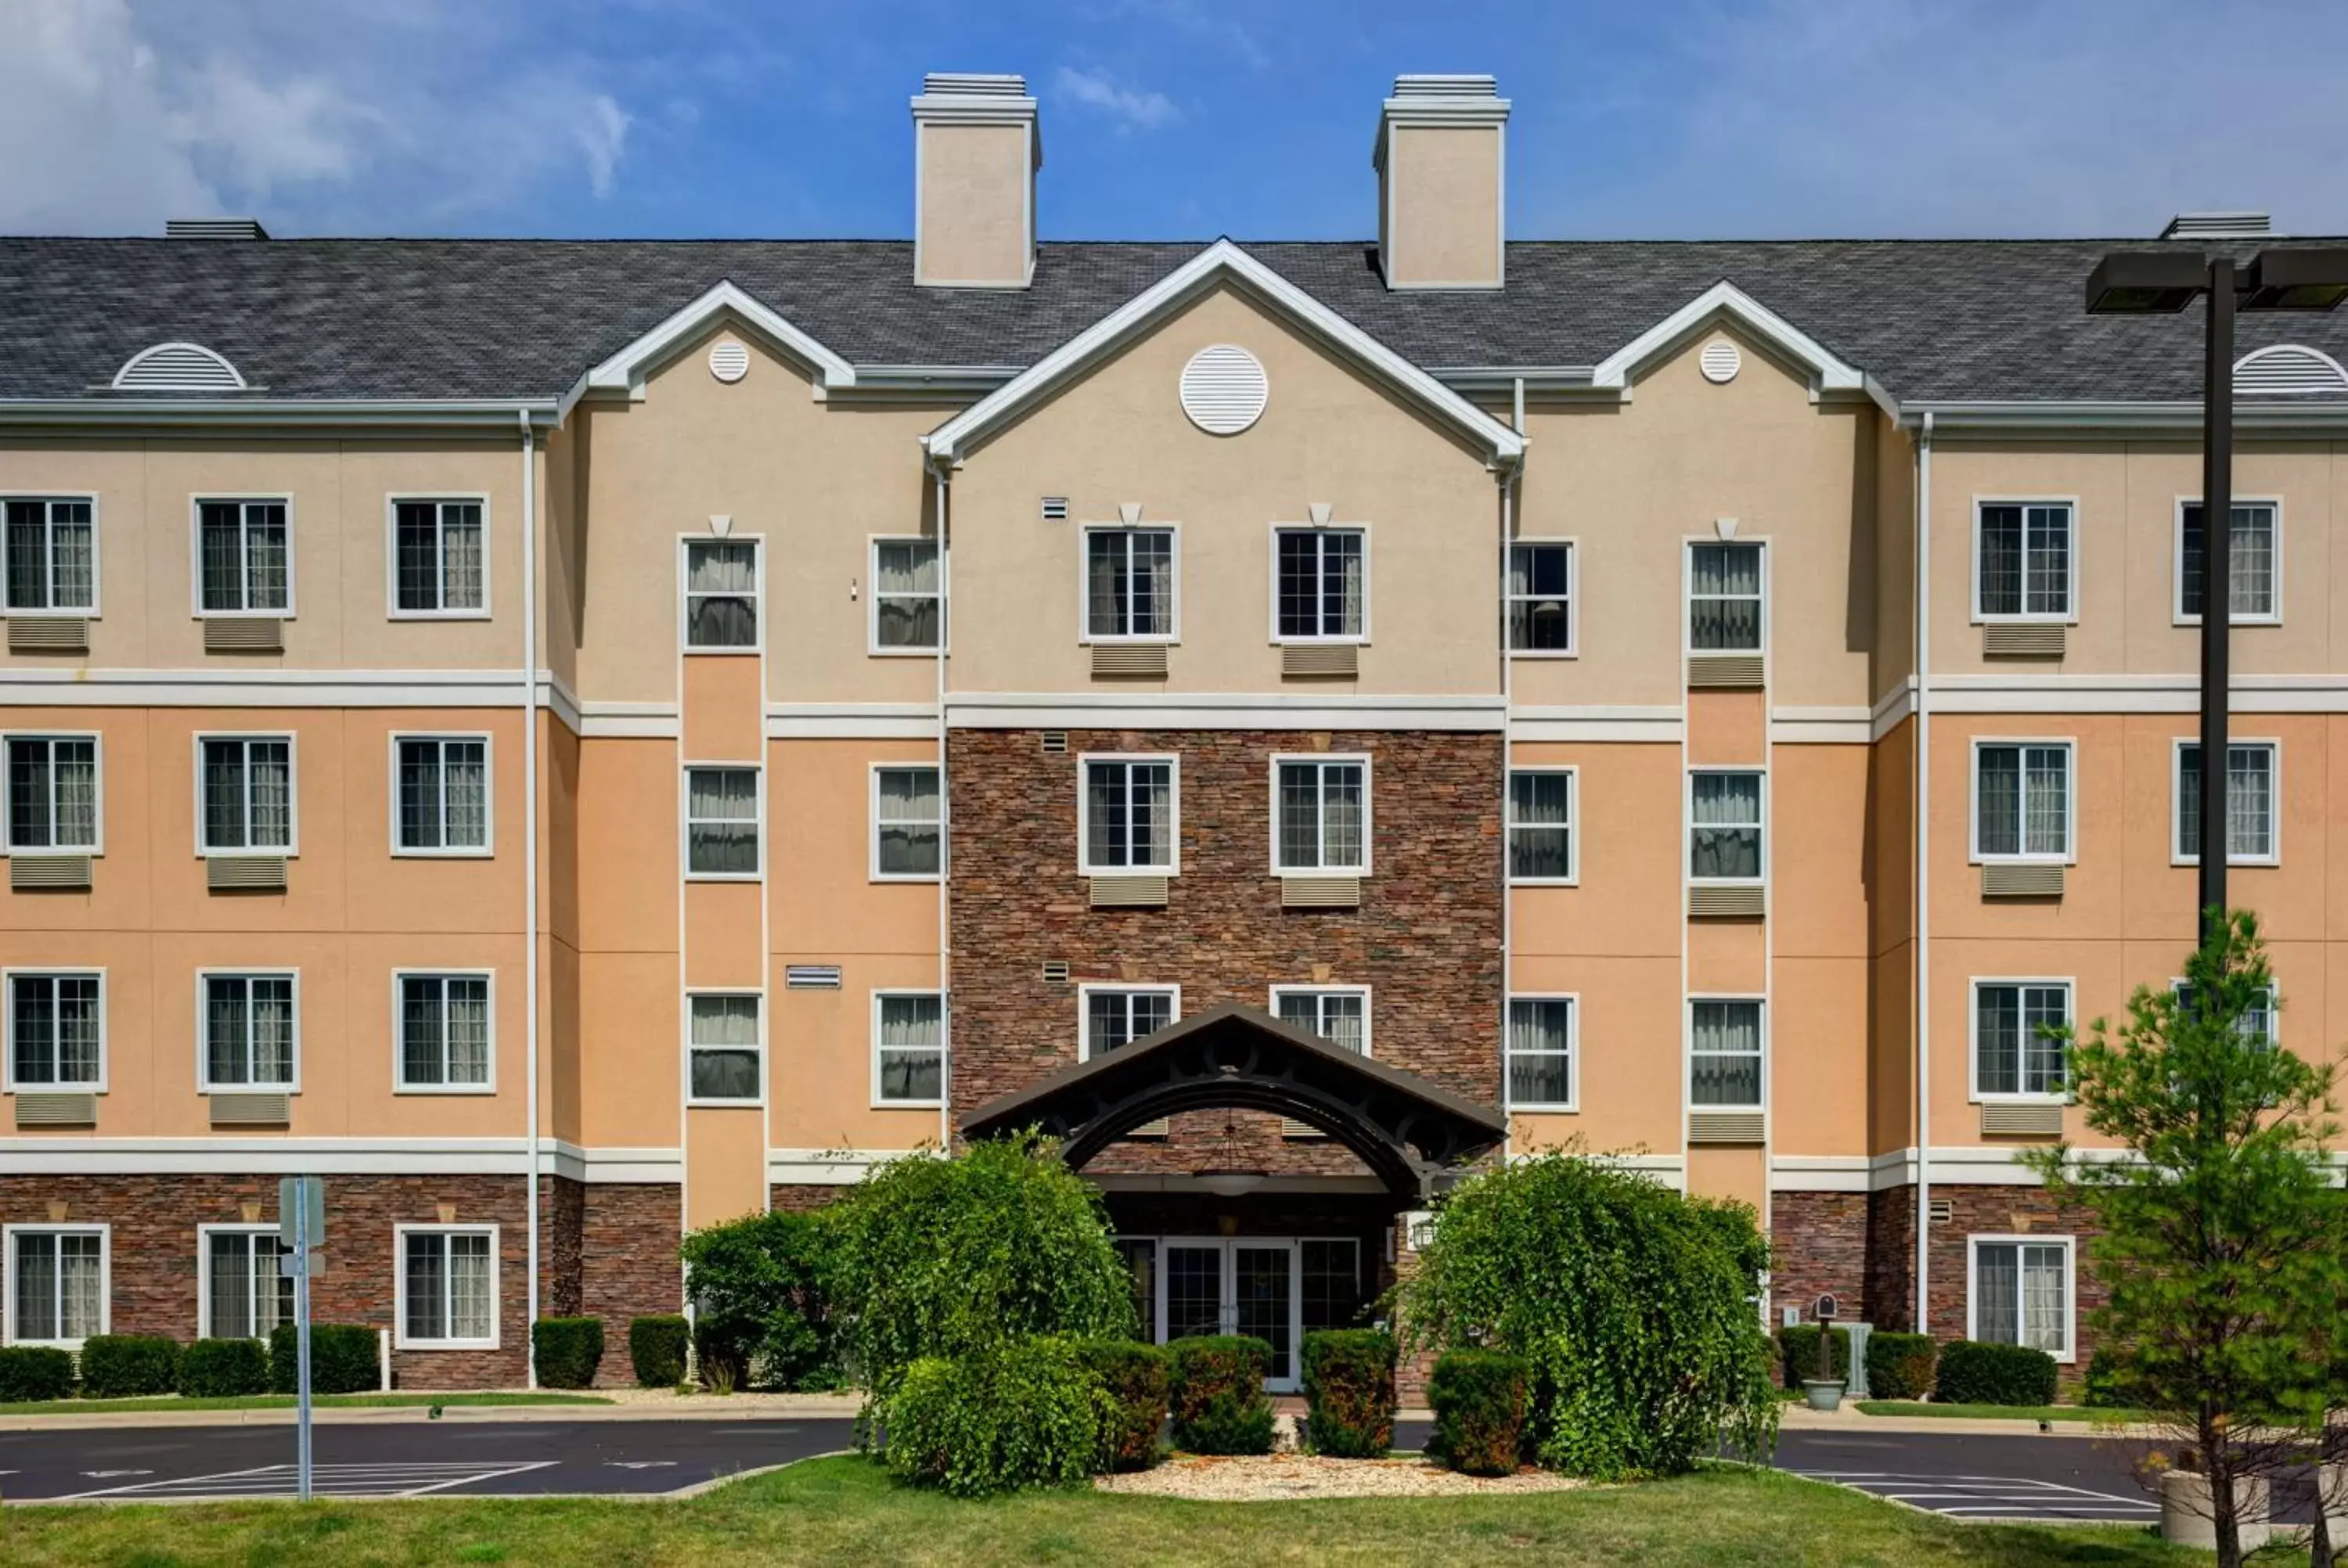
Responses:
[1246,1284]
[1264,1302]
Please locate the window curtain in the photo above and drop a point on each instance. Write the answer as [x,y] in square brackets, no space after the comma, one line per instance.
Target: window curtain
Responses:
[1343,594]
[1128,814]
[460,556]
[77,1028]
[2046,803]
[909,821]
[905,585]
[2251,555]
[911,1047]
[469,1029]
[73,556]
[1725,597]
[2042,1008]
[77,791]
[2046,560]
[1540,831]
[1997,1293]
[1334,1015]
[52,794]
[2249,801]
[1539,1068]
[2043,1299]
[1725,1042]
[471,1272]
[1153,583]
[1726,811]
[724,1048]
[465,781]
[723,812]
[1341,814]
[721,585]
[266,557]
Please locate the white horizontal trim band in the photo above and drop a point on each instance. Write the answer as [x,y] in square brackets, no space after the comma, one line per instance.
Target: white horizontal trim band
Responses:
[1238,710]
[333,1157]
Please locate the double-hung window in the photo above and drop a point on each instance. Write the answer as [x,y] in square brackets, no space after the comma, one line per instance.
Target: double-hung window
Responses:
[2020,1292]
[50,557]
[1540,1049]
[2021,800]
[245,1294]
[2018,1050]
[2250,803]
[1724,818]
[1115,1017]
[1338,1014]
[52,788]
[448,1288]
[57,1284]
[249,1029]
[1724,599]
[444,1032]
[442,805]
[244,559]
[2253,555]
[246,784]
[438,564]
[1128,815]
[908,824]
[1130,584]
[721,596]
[56,1030]
[2021,571]
[1540,825]
[1321,589]
[909,1048]
[1725,1051]
[721,822]
[908,600]
[725,1056]
[1540,598]
[1321,816]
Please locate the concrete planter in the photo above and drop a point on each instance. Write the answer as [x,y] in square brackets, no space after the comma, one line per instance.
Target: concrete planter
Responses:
[1823,1393]
[2185,1512]
[2332,1489]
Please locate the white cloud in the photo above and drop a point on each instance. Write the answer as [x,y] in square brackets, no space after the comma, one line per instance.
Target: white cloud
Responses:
[1133,107]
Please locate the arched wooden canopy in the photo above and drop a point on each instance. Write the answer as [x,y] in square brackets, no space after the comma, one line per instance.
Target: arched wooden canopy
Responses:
[1411,1133]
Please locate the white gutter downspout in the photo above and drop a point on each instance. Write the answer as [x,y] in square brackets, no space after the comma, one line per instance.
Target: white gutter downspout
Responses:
[529,839]
[1507,761]
[945,832]
[1923,788]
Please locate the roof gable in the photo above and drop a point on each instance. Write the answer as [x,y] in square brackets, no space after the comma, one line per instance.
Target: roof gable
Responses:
[625,371]
[1726,302]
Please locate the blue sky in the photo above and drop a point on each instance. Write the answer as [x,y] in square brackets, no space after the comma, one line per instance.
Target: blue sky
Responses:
[1168,119]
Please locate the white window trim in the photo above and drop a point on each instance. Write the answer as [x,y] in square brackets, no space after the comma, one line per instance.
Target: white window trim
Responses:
[1086,991]
[1369,595]
[2274,1006]
[684,823]
[1306,988]
[1687,838]
[8,787]
[1086,635]
[2071,592]
[399,1234]
[8,1235]
[2177,566]
[2070,1352]
[872,543]
[9,1029]
[1688,544]
[1369,812]
[196,555]
[757,645]
[1975,1093]
[1573,877]
[97,557]
[205,1231]
[204,1084]
[872,1050]
[2070,852]
[488,848]
[293,848]
[684,1024]
[2273,856]
[1687,1048]
[1085,867]
[1572,1104]
[400,1084]
[1573,648]
[872,823]
[391,505]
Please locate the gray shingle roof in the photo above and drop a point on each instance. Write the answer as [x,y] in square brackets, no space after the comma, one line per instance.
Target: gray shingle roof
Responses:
[521,319]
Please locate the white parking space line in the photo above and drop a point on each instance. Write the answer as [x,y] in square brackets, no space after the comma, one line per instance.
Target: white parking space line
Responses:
[384,1480]
[1992,1496]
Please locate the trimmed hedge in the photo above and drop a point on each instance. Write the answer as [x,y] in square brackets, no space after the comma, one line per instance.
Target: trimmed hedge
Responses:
[1797,1353]
[1349,1389]
[32,1373]
[1899,1365]
[1976,1373]
[342,1359]
[656,1348]
[1135,1378]
[1480,1399]
[224,1368]
[1026,1413]
[566,1351]
[1218,1403]
[129,1366]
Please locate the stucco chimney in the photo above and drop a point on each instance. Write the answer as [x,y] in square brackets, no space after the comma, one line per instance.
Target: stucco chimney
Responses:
[976,149]
[1441,158]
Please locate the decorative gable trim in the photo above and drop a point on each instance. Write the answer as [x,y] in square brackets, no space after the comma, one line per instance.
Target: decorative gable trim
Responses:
[627,370]
[1725,300]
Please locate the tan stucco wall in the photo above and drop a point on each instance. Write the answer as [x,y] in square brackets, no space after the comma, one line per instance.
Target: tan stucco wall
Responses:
[974,193]
[1440,198]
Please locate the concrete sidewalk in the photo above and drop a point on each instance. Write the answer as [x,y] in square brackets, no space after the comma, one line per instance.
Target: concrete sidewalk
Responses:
[1849,1419]
[628,1405]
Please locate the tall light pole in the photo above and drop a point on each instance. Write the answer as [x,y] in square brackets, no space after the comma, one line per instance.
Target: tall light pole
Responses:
[2165,282]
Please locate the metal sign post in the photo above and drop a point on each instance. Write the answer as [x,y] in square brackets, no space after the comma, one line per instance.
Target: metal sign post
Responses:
[302,1226]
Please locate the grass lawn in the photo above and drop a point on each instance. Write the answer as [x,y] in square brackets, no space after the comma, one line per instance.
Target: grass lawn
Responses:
[285,1402]
[1996,1412]
[846,1511]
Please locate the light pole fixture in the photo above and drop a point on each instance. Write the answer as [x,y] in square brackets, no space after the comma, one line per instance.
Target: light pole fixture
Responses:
[2148,282]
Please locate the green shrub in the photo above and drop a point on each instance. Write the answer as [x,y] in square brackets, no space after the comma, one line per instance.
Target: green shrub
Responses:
[1479,1398]
[1899,1365]
[656,1345]
[762,1300]
[1632,1303]
[1349,1390]
[2107,1387]
[30,1373]
[342,1359]
[1135,1378]
[944,1257]
[1976,1373]
[1027,1413]
[566,1351]
[1217,1395]
[129,1366]
[224,1368]
[1797,1353]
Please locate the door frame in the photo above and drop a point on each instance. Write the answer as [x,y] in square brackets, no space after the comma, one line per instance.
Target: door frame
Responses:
[1227,1292]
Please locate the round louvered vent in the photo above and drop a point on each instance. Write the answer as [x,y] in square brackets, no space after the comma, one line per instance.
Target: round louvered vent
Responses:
[729,361]
[2285,369]
[178,367]
[1720,361]
[1223,389]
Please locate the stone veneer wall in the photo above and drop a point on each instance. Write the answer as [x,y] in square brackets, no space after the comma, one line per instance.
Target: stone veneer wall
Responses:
[628,1236]
[1891,1258]
[561,1202]
[1817,1244]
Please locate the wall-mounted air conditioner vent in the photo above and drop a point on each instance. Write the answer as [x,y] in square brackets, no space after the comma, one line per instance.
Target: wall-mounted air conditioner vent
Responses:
[811,977]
